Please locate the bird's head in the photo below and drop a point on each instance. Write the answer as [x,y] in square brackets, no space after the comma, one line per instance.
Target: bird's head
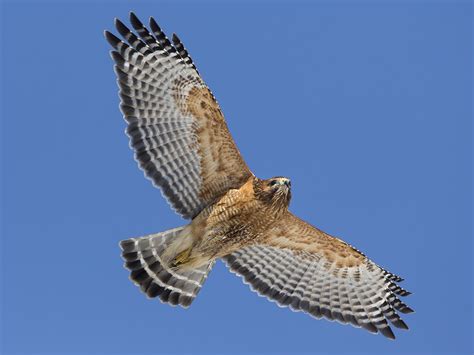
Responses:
[275,191]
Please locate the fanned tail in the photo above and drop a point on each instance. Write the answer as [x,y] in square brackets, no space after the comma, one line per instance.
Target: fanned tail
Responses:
[143,257]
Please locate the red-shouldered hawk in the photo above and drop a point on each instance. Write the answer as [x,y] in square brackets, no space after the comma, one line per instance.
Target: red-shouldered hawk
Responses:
[182,143]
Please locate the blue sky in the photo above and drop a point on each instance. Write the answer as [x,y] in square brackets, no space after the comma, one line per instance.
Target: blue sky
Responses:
[366,107]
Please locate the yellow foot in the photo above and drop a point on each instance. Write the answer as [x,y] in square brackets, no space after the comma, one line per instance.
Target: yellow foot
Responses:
[181,258]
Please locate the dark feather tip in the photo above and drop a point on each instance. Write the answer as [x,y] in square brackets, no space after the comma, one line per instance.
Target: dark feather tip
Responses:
[387,332]
[121,75]
[175,39]
[111,38]
[139,275]
[127,110]
[127,100]
[154,290]
[400,324]
[174,298]
[406,310]
[370,327]
[154,25]
[164,296]
[127,245]
[152,20]
[130,256]
[117,58]
[133,265]
[123,30]
[185,301]
[144,286]
[135,21]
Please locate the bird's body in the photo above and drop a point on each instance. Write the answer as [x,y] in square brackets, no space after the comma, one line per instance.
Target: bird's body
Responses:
[238,219]
[182,143]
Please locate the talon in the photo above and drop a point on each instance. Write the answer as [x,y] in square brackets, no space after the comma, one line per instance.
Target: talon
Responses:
[181,258]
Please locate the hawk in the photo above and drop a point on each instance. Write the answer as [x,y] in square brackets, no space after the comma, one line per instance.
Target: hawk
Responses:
[182,143]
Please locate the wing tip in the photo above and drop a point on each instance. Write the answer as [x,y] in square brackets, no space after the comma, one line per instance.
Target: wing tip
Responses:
[407,310]
[387,332]
[400,324]
[175,38]
[121,27]
[112,39]
[117,58]
[135,21]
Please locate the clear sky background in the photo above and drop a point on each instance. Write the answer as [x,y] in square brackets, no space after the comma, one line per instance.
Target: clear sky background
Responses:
[365,106]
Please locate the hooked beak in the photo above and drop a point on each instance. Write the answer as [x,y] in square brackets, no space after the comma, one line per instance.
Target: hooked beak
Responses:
[285,182]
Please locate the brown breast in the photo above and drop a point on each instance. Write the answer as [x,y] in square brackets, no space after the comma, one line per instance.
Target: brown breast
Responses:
[237,219]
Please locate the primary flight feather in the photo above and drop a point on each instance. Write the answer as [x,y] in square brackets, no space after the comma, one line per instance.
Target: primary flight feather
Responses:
[182,143]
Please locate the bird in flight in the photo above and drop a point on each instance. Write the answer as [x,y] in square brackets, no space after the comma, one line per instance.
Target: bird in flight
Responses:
[182,143]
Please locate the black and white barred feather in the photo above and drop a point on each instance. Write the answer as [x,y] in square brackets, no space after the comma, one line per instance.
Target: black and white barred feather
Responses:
[364,296]
[156,77]
[143,258]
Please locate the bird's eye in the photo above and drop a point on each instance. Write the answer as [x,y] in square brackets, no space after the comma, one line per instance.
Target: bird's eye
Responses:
[272,183]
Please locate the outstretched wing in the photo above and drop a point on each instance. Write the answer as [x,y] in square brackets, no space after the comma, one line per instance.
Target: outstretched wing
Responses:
[300,266]
[176,127]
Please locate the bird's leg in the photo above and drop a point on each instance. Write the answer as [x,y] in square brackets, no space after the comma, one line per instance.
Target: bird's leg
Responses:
[181,257]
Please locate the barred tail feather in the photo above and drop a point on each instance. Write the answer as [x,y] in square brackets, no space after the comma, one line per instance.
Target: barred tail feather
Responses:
[143,257]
